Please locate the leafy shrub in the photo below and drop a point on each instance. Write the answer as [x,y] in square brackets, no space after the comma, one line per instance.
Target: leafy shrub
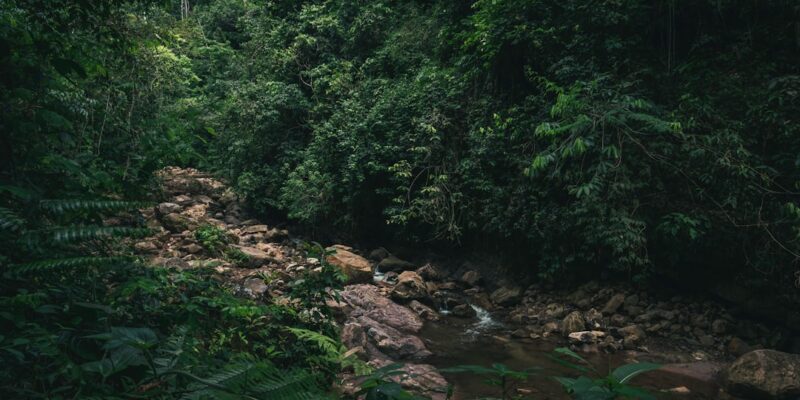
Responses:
[615,385]
[212,238]
[235,256]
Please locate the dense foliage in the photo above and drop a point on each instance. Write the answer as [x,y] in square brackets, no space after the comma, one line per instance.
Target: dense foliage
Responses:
[632,137]
[93,101]
[627,136]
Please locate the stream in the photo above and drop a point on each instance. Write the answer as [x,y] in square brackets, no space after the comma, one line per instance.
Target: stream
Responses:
[484,341]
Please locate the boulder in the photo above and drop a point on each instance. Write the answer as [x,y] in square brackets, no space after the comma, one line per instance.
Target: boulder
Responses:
[632,335]
[482,300]
[203,199]
[393,342]
[594,319]
[471,278]
[353,335]
[550,328]
[719,326]
[255,229]
[463,311]
[183,200]
[168,208]
[379,254]
[367,300]
[145,247]
[357,268]
[172,262]
[613,304]
[275,235]
[421,379]
[410,286]
[737,347]
[430,272]
[423,311]
[765,374]
[618,320]
[255,257]
[192,248]
[506,296]
[231,220]
[395,264]
[254,287]
[706,340]
[228,196]
[391,276]
[554,311]
[175,222]
[586,336]
[573,322]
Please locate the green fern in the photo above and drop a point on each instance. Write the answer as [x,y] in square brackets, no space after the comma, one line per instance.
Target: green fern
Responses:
[60,206]
[254,380]
[69,262]
[333,350]
[79,233]
[10,221]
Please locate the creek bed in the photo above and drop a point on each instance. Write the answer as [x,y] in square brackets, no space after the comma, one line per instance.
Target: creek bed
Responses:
[484,341]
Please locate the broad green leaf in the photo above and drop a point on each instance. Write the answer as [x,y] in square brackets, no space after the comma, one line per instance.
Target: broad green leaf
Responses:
[628,371]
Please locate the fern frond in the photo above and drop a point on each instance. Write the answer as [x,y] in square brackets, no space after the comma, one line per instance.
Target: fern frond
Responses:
[291,385]
[60,206]
[70,262]
[332,349]
[73,233]
[259,380]
[9,220]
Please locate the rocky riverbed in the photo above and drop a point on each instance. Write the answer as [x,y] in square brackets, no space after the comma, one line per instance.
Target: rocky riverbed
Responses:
[392,308]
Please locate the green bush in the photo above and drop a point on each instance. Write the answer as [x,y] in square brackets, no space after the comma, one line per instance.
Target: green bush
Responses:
[212,238]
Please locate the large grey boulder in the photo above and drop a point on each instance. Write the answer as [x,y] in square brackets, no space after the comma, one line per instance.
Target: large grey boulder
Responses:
[765,374]
[394,264]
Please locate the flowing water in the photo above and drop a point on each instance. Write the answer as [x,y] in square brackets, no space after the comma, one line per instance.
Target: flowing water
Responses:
[377,276]
[484,341]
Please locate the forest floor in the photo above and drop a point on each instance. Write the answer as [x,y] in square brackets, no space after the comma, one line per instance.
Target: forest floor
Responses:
[389,303]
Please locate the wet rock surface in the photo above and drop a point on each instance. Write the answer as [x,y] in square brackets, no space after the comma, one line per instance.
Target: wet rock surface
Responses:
[765,374]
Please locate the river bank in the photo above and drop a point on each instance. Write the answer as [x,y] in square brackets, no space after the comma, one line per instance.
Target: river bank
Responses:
[426,316]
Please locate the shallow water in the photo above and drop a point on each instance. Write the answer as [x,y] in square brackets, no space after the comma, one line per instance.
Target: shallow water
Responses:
[483,341]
